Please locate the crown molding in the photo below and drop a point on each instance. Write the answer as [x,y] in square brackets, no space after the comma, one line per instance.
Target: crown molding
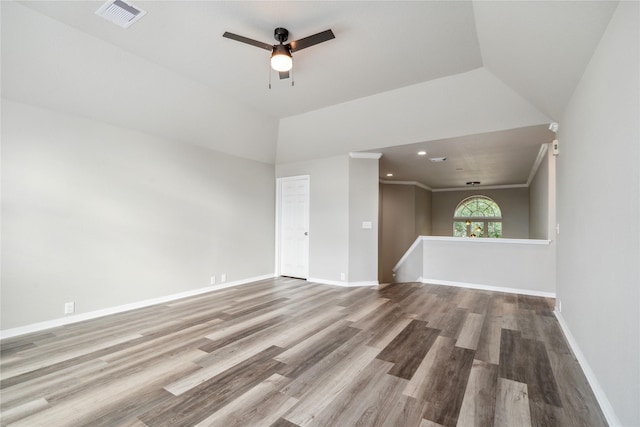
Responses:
[373,156]
[416,183]
[480,187]
[536,165]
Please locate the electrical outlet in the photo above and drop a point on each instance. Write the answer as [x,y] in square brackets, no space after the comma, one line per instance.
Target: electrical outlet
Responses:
[69,307]
[559,306]
[213,279]
[343,276]
[223,277]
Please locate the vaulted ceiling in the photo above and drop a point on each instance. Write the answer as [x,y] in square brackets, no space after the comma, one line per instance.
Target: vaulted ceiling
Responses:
[173,75]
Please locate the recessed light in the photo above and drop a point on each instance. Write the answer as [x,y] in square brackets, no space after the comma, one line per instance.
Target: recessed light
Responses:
[437,159]
[422,153]
[389,174]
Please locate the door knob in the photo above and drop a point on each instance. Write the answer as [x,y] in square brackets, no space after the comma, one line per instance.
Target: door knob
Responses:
[306,233]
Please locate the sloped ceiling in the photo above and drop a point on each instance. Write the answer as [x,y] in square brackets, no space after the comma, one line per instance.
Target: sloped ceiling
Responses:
[541,48]
[172,74]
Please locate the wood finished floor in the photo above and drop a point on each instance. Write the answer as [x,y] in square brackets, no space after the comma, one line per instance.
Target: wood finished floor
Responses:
[285,352]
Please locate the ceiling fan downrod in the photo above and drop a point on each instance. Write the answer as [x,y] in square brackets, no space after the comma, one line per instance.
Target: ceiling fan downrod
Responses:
[281,34]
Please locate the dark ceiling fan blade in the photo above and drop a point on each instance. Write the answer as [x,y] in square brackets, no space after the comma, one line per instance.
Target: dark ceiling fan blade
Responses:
[246,40]
[306,42]
[284,75]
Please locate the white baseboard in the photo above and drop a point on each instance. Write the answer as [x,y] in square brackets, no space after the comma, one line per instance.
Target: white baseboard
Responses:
[489,288]
[356,284]
[601,397]
[40,326]
[341,283]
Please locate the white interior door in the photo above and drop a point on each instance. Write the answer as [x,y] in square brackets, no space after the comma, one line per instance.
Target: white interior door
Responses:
[293,226]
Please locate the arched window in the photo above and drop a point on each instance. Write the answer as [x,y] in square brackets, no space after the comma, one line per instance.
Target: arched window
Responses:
[477,216]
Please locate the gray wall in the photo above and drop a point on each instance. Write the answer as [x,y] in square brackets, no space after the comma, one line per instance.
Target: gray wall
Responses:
[508,265]
[106,216]
[344,192]
[539,201]
[598,273]
[514,203]
[328,214]
[363,206]
[405,212]
[423,211]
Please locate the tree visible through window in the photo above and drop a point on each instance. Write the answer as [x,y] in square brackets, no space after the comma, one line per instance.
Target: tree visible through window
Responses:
[477,216]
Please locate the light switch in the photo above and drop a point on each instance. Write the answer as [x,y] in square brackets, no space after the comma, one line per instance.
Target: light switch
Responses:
[367,225]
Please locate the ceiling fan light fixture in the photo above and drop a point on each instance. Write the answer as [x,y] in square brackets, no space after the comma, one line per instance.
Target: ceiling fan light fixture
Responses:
[281,59]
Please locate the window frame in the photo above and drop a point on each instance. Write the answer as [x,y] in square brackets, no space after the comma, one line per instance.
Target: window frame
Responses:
[476,221]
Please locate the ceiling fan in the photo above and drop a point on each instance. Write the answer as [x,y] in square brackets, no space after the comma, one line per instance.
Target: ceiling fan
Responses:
[281,58]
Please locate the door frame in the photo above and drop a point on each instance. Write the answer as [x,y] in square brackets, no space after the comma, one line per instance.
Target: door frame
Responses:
[279,182]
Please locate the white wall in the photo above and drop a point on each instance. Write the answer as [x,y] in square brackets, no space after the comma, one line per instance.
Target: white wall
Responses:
[328,214]
[106,216]
[508,265]
[409,268]
[539,201]
[598,276]
[522,266]
[344,192]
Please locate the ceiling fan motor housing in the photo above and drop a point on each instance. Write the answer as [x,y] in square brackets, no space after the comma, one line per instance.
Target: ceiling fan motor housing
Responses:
[281,49]
[281,34]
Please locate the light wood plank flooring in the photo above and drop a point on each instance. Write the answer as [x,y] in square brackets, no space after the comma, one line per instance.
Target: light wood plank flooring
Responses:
[285,352]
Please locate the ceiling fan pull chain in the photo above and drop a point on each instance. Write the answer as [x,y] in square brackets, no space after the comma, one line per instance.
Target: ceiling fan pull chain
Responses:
[292,78]
[269,68]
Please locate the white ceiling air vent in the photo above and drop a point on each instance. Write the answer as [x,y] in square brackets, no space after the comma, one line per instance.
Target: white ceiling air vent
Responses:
[120,13]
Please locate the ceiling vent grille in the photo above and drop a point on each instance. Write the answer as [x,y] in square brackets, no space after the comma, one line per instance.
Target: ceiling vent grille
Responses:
[120,13]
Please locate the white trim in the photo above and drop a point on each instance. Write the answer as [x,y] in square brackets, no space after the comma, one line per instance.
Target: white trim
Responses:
[488,240]
[601,397]
[418,280]
[341,283]
[373,156]
[416,183]
[489,288]
[537,163]
[415,244]
[48,324]
[481,187]
[364,283]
